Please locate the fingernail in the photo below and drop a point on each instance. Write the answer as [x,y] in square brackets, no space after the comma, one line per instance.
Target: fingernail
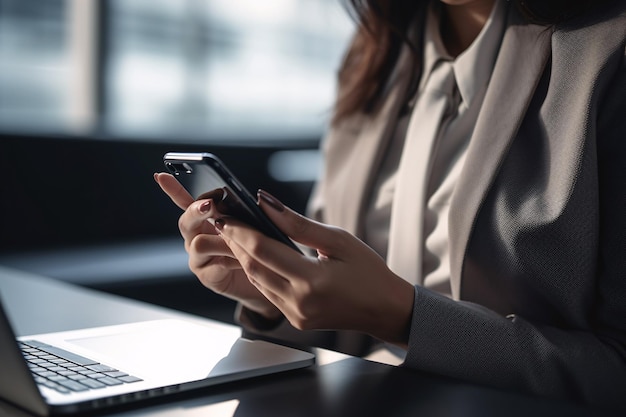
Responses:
[219,223]
[205,207]
[270,200]
[155,176]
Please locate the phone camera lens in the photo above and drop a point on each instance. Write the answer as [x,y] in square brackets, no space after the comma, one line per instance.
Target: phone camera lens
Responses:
[171,168]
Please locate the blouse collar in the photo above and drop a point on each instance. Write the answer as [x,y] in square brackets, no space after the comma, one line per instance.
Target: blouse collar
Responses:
[473,67]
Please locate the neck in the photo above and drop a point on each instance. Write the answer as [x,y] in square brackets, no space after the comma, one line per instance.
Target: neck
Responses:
[461,24]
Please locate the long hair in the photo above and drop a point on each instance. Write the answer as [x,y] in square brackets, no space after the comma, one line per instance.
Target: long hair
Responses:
[382,30]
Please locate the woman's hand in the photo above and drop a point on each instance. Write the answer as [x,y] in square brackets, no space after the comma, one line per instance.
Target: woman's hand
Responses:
[210,259]
[347,286]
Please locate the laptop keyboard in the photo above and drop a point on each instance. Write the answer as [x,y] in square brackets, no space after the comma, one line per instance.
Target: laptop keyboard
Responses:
[67,372]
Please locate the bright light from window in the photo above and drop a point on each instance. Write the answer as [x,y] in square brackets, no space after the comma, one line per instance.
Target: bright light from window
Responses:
[239,68]
[172,68]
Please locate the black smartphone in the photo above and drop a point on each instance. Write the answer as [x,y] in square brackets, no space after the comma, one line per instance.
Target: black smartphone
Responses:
[204,176]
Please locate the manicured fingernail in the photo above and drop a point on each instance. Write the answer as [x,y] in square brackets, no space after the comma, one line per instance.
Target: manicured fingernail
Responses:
[270,200]
[219,223]
[205,207]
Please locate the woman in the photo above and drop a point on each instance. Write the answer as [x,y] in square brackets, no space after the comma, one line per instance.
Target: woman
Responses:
[474,180]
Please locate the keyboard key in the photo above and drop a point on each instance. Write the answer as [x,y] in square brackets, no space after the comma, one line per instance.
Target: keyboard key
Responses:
[61,389]
[56,387]
[49,384]
[101,368]
[65,372]
[45,374]
[129,379]
[109,381]
[116,374]
[68,365]
[92,383]
[73,385]
[87,372]
[47,365]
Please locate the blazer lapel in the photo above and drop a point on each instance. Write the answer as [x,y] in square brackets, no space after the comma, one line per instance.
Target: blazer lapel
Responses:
[524,52]
[365,154]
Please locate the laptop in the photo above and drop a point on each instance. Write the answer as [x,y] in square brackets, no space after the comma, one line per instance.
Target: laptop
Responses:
[81,370]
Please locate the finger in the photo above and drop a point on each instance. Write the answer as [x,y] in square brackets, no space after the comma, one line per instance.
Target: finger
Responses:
[326,239]
[258,274]
[207,249]
[174,189]
[194,220]
[210,245]
[271,296]
[255,250]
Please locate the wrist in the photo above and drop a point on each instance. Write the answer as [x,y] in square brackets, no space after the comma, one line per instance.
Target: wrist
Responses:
[395,312]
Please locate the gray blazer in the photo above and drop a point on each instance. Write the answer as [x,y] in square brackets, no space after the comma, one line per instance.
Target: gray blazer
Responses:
[537,221]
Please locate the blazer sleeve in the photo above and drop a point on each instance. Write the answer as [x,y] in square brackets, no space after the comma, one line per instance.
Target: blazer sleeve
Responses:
[464,340]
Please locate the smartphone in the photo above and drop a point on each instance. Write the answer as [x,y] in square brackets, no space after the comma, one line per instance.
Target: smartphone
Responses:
[203,175]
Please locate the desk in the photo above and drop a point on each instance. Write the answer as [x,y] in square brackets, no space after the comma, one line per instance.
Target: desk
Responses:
[337,386]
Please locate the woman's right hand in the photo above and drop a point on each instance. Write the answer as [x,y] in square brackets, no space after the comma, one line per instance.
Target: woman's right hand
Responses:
[210,259]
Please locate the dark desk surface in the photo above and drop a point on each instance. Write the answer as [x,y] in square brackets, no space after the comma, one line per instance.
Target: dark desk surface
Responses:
[347,387]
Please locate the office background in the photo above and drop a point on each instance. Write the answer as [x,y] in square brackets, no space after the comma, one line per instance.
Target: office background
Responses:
[93,92]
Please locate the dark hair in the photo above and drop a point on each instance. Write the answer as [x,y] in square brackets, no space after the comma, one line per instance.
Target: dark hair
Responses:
[381,32]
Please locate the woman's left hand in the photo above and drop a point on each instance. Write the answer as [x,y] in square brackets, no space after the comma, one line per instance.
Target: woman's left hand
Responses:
[347,286]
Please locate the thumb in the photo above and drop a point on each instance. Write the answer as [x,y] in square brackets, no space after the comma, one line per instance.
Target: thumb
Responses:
[326,239]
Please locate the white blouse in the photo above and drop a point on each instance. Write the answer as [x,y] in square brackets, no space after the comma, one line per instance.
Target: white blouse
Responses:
[472,70]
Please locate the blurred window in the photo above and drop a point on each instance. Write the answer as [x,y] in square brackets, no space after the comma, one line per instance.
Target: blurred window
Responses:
[34,64]
[245,69]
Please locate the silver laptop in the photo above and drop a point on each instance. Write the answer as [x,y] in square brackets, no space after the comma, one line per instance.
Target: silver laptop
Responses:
[76,371]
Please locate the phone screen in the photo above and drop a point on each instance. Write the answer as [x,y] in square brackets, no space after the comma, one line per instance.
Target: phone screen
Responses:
[204,176]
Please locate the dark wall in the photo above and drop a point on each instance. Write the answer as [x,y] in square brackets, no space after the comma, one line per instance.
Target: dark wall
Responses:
[68,192]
